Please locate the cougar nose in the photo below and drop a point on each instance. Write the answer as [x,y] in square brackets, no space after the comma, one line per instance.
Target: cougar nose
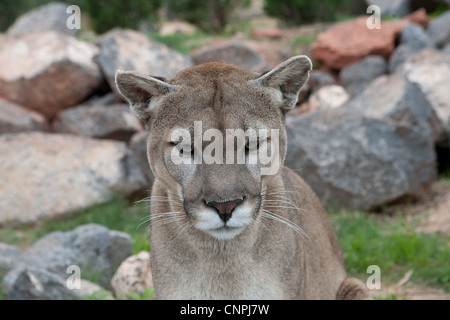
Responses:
[224,208]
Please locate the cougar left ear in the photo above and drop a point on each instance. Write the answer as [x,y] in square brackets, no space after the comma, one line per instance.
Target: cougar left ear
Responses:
[140,89]
[288,77]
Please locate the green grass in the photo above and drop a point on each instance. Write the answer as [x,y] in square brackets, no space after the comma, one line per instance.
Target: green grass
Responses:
[183,43]
[366,239]
[394,246]
[115,215]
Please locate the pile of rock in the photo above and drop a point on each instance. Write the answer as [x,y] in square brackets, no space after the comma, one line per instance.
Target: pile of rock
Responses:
[67,138]
[57,265]
[370,137]
[365,133]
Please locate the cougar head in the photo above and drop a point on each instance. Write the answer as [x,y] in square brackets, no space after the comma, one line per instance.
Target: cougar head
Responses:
[216,136]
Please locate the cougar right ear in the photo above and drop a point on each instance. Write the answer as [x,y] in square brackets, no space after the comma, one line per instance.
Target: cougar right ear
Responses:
[140,91]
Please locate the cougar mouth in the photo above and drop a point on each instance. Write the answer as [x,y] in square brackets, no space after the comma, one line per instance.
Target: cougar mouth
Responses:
[224,220]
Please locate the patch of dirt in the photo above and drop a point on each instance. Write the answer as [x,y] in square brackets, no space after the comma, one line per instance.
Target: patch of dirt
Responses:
[411,291]
[437,217]
[432,214]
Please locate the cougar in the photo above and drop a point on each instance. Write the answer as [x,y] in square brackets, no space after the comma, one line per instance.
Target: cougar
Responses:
[223,228]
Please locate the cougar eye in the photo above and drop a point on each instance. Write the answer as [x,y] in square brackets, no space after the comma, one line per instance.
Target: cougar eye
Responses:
[252,145]
[181,146]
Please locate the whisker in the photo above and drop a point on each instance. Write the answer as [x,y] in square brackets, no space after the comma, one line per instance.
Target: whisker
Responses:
[184,227]
[287,222]
[259,220]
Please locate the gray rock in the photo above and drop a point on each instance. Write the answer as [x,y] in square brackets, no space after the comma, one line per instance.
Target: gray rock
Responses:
[439,30]
[430,69]
[92,247]
[14,118]
[115,122]
[49,17]
[138,145]
[399,56]
[47,71]
[401,102]
[414,36]
[446,49]
[232,52]
[32,283]
[355,161]
[412,39]
[132,50]
[358,75]
[48,175]
[396,8]
[318,79]
[8,255]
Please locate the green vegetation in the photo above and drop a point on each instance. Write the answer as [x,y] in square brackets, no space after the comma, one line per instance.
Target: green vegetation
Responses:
[106,15]
[183,43]
[366,239]
[115,215]
[11,9]
[394,246]
[210,16]
[297,12]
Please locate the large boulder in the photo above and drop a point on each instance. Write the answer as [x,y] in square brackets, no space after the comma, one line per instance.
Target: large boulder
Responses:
[132,50]
[8,256]
[233,52]
[49,17]
[48,175]
[413,39]
[108,122]
[14,118]
[47,71]
[439,30]
[356,161]
[430,70]
[347,42]
[37,284]
[358,75]
[394,98]
[90,250]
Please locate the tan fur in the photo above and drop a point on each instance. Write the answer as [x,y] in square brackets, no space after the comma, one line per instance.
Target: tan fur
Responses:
[269,258]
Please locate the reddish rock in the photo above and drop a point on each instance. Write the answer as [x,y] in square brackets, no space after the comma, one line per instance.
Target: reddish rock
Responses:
[348,42]
[14,118]
[47,71]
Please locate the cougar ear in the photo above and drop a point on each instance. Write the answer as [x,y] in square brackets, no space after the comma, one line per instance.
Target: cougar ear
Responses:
[140,91]
[288,77]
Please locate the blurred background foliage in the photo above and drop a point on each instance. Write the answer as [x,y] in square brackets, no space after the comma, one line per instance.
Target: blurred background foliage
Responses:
[211,16]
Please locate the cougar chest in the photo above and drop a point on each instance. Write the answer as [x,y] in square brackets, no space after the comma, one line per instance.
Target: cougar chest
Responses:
[234,278]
